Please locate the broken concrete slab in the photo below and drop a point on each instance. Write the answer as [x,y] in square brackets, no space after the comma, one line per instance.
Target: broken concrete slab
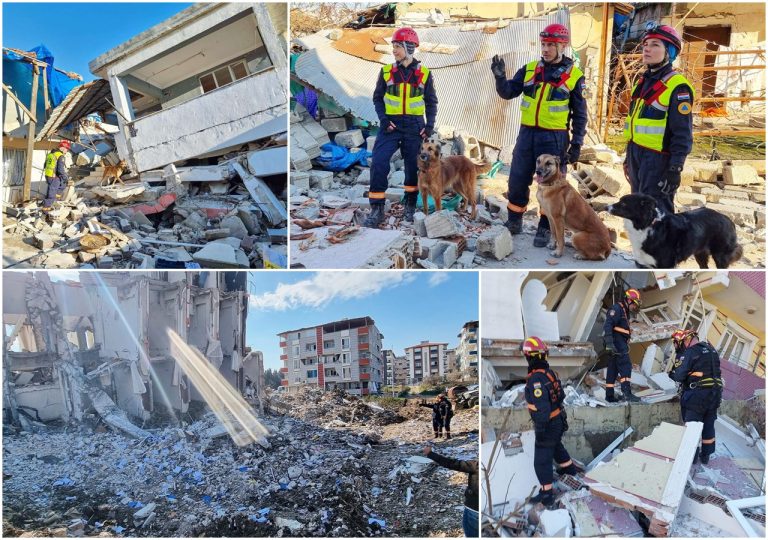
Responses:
[221,255]
[594,517]
[273,209]
[349,139]
[268,162]
[235,226]
[365,248]
[114,416]
[496,242]
[741,175]
[443,224]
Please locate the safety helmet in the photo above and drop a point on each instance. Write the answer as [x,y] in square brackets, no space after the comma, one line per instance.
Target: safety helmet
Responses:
[680,336]
[664,33]
[555,33]
[406,34]
[65,144]
[534,349]
[632,296]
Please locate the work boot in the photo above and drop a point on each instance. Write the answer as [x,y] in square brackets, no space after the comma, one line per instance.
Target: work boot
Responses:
[542,233]
[447,435]
[706,451]
[436,435]
[547,498]
[610,396]
[410,209]
[570,469]
[514,222]
[376,217]
[626,390]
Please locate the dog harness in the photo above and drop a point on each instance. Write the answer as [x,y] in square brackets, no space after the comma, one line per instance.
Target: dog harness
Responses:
[404,96]
[50,163]
[545,104]
[646,122]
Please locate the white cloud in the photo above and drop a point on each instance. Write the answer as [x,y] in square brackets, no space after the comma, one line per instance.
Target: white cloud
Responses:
[324,287]
[437,278]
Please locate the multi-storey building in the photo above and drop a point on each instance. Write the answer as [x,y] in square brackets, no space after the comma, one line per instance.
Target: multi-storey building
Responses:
[424,360]
[466,352]
[450,361]
[344,354]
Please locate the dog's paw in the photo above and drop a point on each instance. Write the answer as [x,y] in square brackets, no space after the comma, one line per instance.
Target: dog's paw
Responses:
[556,253]
[552,245]
[579,257]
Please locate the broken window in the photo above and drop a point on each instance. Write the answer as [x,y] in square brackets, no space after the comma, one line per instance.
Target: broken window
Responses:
[223,76]
[658,314]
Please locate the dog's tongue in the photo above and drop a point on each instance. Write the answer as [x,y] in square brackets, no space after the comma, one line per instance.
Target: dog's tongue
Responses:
[539,178]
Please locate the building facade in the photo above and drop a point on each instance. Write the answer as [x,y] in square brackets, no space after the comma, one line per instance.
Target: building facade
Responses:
[345,354]
[424,360]
[466,352]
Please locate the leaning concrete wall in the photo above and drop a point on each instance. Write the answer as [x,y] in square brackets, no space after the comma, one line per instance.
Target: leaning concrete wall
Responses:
[591,430]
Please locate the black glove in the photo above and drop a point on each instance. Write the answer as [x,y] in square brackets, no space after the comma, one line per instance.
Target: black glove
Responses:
[573,153]
[498,67]
[671,181]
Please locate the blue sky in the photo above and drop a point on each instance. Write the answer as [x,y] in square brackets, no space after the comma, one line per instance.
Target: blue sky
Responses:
[408,307]
[76,33]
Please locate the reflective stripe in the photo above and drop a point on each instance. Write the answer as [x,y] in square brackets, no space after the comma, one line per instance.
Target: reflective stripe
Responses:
[625,379]
[416,103]
[620,329]
[609,385]
[516,208]
[658,106]
[697,374]
[569,462]
[376,195]
[532,407]
[525,104]
[546,487]
[650,130]
[411,189]
[390,101]
[554,413]
[558,108]
[707,441]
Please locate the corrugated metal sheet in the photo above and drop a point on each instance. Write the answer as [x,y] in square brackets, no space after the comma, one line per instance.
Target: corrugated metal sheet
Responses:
[466,89]
[79,103]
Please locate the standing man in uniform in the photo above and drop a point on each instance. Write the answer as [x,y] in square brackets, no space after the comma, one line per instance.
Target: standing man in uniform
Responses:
[659,126]
[544,395]
[446,411]
[56,174]
[616,333]
[553,106]
[405,93]
[437,417]
[699,372]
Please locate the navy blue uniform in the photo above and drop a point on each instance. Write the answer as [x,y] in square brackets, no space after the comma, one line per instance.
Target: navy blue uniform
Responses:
[699,372]
[647,168]
[437,417]
[533,142]
[616,333]
[406,137]
[446,411]
[56,184]
[544,396]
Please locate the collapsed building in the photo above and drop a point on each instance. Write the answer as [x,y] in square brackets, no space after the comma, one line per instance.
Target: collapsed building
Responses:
[334,125]
[640,477]
[102,343]
[179,155]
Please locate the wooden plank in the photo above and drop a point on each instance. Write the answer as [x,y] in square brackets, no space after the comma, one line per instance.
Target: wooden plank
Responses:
[27,191]
[18,102]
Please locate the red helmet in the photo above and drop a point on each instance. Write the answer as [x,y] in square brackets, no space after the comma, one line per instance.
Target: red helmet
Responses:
[664,33]
[65,144]
[633,296]
[679,337]
[534,348]
[555,33]
[406,34]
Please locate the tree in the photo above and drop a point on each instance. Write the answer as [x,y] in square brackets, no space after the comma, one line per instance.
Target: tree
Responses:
[272,378]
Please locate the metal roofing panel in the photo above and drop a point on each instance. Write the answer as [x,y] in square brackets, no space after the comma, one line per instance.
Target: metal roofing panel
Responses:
[80,102]
[466,89]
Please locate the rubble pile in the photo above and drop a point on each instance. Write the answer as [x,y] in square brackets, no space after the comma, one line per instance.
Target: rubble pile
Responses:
[311,481]
[212,216]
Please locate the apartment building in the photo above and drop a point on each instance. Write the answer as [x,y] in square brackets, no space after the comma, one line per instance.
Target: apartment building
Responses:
[345,354]
[466,352]
[425,359]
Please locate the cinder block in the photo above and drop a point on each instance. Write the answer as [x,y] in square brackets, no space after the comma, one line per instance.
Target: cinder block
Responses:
[349,139]
[300,180]
[610,180]
[741,175]
[690,199]
[334,125]
[496,242]
[442,224]
[708,171]
[321,180]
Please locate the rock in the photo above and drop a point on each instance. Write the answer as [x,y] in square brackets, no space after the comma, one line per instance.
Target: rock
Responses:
[496,242]
[215,234]
[443,254]
[364,177]
[294,472]
[334,125]
[321,180]
[740,175]
[418,223]
[739,214]
[484,216]
[466,260]
[442,224]
[349,139]
[309,211]
[250,218]
[105,262]
[333,201]
[196,221]
[42,241]
[85,257]
[236,226]
[300,181]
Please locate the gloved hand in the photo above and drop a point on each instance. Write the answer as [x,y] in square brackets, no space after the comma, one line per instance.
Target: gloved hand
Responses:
[498,67]
[573,153]
[671,181]
[426,132]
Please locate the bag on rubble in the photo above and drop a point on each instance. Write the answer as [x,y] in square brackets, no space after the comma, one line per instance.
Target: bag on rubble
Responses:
[337,158]
[451,203]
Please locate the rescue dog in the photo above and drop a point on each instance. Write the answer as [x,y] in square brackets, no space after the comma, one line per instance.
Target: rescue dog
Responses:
[113,172]
[438,175]
[565,208]
[664,241]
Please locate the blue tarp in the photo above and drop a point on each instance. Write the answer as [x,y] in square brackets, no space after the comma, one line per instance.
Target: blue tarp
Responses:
[337,158]
[17,74]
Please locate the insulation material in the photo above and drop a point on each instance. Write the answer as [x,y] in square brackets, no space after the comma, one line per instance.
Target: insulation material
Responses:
[512,478]
[594,517]
[537,320]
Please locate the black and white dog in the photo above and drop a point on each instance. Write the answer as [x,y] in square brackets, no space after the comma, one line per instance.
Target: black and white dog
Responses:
[664,241]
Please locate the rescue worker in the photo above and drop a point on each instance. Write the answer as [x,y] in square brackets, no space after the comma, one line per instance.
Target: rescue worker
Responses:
[446,412]
[699,372]
[544,395]
[659,126]
[404,95]
[56,174]
[471,520]
[553,106]
[437,417]
[616,333]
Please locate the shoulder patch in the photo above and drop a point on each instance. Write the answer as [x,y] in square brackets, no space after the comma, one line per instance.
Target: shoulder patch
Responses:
[684,96]
[612,313]
[684,108]
[537,392]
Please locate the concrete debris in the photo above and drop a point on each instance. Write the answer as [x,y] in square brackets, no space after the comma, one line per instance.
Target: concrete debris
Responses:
[134,222]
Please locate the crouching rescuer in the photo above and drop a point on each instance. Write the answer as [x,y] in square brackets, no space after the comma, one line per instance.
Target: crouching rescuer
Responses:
[544,395]
[404,95]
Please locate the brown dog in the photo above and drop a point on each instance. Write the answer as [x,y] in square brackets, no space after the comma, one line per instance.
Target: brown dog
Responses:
[452,173]
[566,208]
[113,172]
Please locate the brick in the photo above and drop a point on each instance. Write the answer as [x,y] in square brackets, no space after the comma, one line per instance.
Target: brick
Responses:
[334,125]
[443,254]
[349,139]
[300,180]
[496,242]
[442,224]
[740,175]
[739,215]
[690,199]
[321,180]
[610,180]
[708,171]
